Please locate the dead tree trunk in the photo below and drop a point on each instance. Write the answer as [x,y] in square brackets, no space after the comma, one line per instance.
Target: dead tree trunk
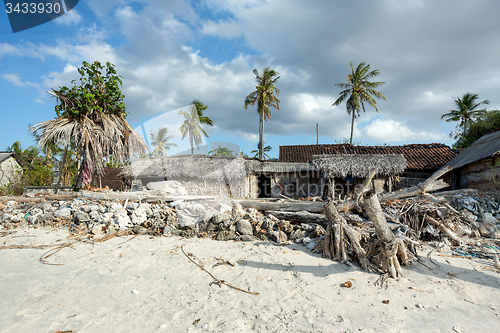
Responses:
[392,250]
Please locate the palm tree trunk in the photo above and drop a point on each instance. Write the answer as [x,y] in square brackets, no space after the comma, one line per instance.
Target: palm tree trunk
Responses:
[261,137]
[61,168]
[352,125]
[79,177]
[191,142]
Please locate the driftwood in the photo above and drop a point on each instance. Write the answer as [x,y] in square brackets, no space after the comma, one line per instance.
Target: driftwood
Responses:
[301,217]
[217,281]
[392,249]
[39,199]
[144,196]
[289,206]
[454,192]
[444,229]
[497,262]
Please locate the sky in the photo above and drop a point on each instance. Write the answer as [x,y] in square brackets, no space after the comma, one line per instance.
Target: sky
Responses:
[171,52]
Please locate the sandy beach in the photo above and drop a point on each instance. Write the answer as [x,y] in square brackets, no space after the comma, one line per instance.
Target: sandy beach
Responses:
[147,284]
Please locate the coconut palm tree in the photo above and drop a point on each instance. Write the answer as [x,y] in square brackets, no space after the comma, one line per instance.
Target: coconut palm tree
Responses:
[200,107]
[359,90]
[192,127]
[92,116]
[221,151]
[160,139]
[266,150]
[466,111]
[264,96]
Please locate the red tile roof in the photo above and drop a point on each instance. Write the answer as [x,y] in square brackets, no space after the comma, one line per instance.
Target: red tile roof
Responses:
[430,156]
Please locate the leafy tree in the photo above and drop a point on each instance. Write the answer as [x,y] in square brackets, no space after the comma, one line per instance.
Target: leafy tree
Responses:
[266,150]
[466,112]
[264,96]
[200,107]
[91,114]
[66,158]
[486,123]
[359,90]
[242,154]
[36,169]
[160,139]
[221,151]
[192,127]
[69,165]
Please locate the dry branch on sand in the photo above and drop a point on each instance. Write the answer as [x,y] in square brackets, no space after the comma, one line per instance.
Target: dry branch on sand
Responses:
[388,250]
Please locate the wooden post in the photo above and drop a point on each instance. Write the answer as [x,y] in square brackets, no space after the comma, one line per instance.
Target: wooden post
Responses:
[308,185]
[331,188]
[317,133]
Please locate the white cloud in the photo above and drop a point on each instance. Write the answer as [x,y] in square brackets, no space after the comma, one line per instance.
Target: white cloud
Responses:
[8,49]
[71,17]
[69,68]
[250,137]
[311,105]
[224,29]
[387,130]
[16,80]
[418,51]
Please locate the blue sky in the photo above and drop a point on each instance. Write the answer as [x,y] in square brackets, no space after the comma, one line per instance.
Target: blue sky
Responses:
[172,52]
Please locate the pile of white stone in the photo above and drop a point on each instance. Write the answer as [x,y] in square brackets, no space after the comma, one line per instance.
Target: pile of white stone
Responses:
[220,221]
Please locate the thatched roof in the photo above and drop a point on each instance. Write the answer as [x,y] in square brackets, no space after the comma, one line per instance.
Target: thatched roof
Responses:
[256,166]
[341,165]
[204,167]
[187,167]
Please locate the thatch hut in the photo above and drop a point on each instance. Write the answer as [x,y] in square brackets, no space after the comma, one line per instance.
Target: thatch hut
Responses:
[200,174]
[251,178]
[215,175]
[343,172]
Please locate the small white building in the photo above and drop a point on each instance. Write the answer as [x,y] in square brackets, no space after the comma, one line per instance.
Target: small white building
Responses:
[8,168]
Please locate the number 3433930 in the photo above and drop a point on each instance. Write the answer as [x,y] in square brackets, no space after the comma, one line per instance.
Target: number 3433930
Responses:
[32,8]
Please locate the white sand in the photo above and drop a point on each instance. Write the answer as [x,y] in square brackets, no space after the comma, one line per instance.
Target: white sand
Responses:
[298,291]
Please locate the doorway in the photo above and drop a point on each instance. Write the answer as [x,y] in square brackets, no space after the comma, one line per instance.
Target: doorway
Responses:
[264,185]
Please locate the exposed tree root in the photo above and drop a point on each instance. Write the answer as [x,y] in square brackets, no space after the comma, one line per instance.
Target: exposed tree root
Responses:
[338,235]
[388,252]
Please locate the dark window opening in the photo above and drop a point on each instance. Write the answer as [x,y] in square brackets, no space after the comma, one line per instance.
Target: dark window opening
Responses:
[264,184]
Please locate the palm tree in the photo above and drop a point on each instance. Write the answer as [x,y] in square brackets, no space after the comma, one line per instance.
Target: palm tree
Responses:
[200,107]
[466,111]
[160,139]
[221,151]
[266,150]
[192,127]
[359,90]
[264,97]
[92,117]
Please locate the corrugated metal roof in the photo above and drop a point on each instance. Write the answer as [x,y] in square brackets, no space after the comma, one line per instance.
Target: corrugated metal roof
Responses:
[487,146]
[5,155]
